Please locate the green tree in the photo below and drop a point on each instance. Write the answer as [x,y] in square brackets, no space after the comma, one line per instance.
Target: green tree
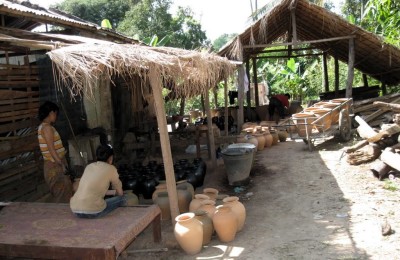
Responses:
[222,40]
[96,10]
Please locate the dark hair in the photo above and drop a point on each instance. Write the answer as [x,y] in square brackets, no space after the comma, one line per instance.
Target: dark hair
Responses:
[104,152]
[46,108]
[288,95]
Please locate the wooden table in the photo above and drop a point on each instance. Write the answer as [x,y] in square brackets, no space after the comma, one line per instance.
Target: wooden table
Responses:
[51,231]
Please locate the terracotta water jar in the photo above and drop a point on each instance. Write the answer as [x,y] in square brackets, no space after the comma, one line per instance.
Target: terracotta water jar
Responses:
[162,200]
[208,227]
[324,123]
[275,137]
[225,223]
[282,135]
[209,206]
[162,187]
[303,122]
[185,183]
[131,198]
[238,208]
[261,141]
[196,202]
[220,199]
[268,139]
[211,192]
[184,198]
[188,232]
[241,139]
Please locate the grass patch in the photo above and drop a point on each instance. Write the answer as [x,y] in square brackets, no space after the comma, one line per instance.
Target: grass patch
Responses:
[390,185]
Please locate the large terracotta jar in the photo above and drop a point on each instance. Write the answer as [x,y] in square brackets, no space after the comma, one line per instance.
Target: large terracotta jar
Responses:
[252,140]
[208,227]
[131,198]
[268,139]
[275,137]
[186,185]
[162,200]
[211,192]
[238,208]
[184,198]
[282,135]
[261,141]
[188,232]
[324,117]
[303,122]
[225,223]
[196,202]
[159,188]
[209,206]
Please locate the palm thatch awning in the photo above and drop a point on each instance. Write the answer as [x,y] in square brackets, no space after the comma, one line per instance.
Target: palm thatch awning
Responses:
[320,29]
[191,72]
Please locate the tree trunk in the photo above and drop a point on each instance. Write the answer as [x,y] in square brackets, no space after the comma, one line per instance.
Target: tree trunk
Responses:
[380,170]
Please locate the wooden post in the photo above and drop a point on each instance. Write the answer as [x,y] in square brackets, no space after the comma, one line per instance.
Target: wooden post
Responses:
[365,80]
[156,85]
[211,141]
[215,96]
[240,97]
[202,104]
[248,91]
[350,69]
[325,69]
[255,82]
[336,75]
[182,107]
[226,113]
[294,27]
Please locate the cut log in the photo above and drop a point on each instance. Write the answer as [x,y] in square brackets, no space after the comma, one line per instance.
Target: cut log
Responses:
[380,170]
[391,130]
[366,154]
[390,158]
[364,130]
[394,107]
[355,147]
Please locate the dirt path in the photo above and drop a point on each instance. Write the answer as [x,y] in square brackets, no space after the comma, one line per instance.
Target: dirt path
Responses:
[300,205]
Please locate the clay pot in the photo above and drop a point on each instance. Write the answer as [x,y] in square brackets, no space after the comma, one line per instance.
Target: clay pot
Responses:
[275,137]
[208,227]
[184,198]
[268,139]
[185,183]
[219,201]
[225,223]
[238,208]
[131,198]
[188,232]
[261,141]
[252,140]
[303,122]
[241,139]
[331,106]
[211,193]
[196,202]
[159,188]
[209,206]
[162,200]
[282,135]
[325,122]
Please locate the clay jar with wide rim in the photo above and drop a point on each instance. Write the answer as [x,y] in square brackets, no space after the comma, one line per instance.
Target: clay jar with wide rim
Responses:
[159,188]
[162,200]
[208,227]
[268,138]
[252,140]
[225,223]
[237,208]
[303,122]
[275,136]
[211,193]
[188,232]
[209,206]
[185,183]
[184,198]
[196,202]
[325,122]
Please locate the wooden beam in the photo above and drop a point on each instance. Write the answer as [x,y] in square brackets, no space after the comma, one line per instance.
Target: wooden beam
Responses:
[336,75]
[298,43]
[365,80]
[211,139]
[254,61]
[325,70]
[350,69]
[226,113]
[294,27]
[240,97]
[286,56]
[283,50]
[248,94]
[156,85]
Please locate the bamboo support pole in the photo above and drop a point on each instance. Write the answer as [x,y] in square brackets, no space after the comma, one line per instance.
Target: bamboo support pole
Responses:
[226,114]
[240,97]
[211,140]
[350,69]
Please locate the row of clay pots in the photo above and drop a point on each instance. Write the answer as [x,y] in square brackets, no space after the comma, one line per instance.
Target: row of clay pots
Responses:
[264,139]
[195,228]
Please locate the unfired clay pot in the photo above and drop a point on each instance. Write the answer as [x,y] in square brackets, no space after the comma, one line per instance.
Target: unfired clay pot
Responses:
[188,232]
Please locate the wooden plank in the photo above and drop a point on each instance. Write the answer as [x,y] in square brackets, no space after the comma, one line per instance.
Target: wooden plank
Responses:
[13,94]
[18,71]
[18,188]
[19,101]
[15,115]
[13,66]
[33,122]
[15,176]
[26,77]
[20,83]
[15,107]
[15,147]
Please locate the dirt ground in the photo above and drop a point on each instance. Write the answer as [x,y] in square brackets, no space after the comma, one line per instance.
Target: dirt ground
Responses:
[300,205]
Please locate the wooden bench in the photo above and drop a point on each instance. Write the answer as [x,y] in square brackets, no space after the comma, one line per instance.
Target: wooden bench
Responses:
[51,231]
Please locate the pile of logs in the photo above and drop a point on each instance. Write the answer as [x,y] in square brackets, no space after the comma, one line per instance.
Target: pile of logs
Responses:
[379,127]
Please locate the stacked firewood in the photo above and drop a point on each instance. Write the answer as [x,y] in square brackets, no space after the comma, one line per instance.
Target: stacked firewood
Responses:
[379,125]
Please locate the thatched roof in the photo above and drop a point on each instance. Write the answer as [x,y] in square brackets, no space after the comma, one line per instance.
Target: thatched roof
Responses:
[372,56]
[20,14]
[191,72]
